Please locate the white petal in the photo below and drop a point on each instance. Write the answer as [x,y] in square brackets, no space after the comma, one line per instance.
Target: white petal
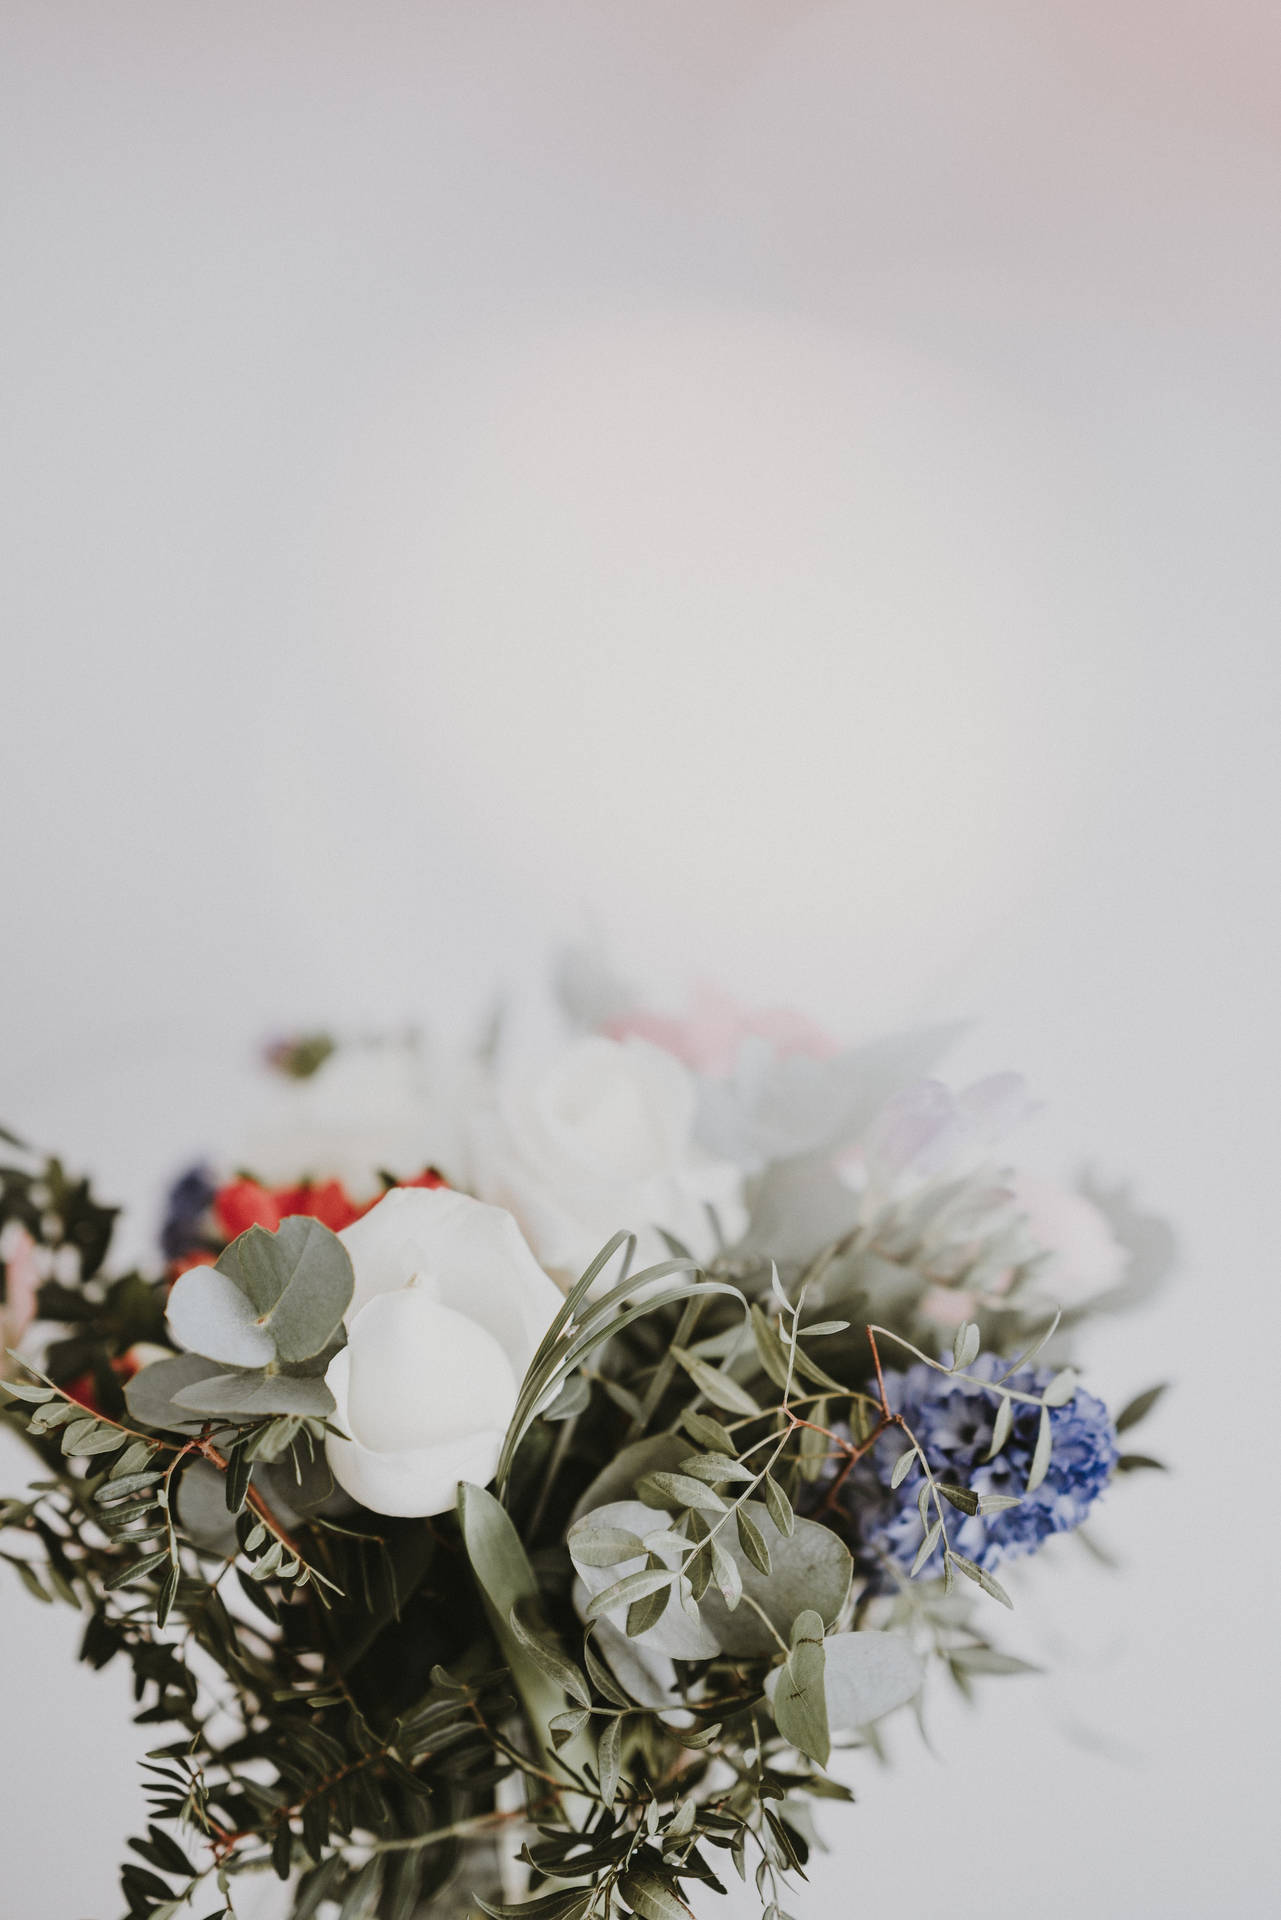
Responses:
[424,1481]
[473,1255]
[421,1374]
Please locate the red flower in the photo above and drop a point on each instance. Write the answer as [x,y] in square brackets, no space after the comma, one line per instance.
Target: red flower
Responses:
[427,1178]
[82,1391]
[244,1203]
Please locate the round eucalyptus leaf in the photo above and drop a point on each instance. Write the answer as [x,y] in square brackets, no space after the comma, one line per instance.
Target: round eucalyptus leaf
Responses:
[302,1280]
[662,1453]
[251,1394]
[208,1314]
[202,1498]
[675,1634]
[149,1396]
[810,1568]
[201,1508]
[865,1676]
[648,1675]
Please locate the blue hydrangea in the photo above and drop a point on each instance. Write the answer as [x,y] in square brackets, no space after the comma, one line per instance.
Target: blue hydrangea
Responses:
[953,1421]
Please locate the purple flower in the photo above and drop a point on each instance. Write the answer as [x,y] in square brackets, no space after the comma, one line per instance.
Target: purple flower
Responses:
[186,1203]
[953,1419]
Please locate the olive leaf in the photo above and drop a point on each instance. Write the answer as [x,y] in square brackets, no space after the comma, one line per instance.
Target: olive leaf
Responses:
[798,1701]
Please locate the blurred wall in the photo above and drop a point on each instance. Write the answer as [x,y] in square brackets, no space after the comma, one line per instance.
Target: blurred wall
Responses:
[792,486]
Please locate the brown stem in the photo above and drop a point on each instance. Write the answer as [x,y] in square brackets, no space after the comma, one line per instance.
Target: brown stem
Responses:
[253,1498]
[880,1377]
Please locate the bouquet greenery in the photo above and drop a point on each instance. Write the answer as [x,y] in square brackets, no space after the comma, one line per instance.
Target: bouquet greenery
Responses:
[461,1572]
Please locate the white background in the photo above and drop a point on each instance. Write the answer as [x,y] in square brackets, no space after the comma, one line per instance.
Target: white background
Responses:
[794,486]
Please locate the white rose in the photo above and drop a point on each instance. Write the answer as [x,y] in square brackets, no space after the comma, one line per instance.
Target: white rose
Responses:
[1085,1256]
[448,1308]
[603,1139]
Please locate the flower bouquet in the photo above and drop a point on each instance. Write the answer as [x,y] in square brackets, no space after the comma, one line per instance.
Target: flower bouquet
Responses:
[525,1473]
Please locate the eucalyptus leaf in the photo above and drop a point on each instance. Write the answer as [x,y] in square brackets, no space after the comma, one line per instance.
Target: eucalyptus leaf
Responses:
[644,1614]
[574,1398]
[926,1548]
[902,1467]
[209,1314]
[149,1396]
[989,1660]
[981,1578]
[251,1394]
[752,1541]
[769,1348]
[797,1693]
[617,1480]
[675,1635]
[809,1570]
[301,1279]
[100,1438]
[28,1390]
[726,1573]
[868,1675]
[564,1726]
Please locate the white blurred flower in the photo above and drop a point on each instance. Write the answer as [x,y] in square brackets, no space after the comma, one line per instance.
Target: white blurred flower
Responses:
[390,1106]
[602,1138]
[448,1308]
[1085,1256]
[780,1101]
[928,1129]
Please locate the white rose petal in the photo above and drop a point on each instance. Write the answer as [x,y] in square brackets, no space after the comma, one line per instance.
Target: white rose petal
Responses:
[602,1138]
[420,1372]
[448,1308]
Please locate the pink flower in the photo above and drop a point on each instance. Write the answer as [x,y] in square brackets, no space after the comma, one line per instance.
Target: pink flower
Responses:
[709,1038]
[22,1277]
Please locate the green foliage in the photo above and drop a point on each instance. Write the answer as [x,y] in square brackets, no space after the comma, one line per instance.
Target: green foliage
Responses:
[800,1705]
[652,1621]
[268,1314]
